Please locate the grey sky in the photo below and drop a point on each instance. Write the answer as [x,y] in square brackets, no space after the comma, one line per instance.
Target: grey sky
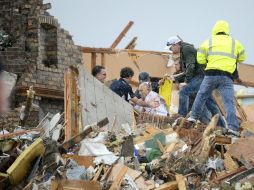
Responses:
[97,23]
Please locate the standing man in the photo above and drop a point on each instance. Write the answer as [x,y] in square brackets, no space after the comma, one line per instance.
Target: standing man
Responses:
[193,75]
[220,54]
[99,72]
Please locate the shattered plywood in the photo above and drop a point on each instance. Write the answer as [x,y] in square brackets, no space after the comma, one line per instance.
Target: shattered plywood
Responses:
[75,185]
[246,74]
[98,101]
[249,109]
[242,148]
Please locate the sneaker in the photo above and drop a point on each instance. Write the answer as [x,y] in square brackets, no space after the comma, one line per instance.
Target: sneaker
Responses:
[233,132]
[190,119]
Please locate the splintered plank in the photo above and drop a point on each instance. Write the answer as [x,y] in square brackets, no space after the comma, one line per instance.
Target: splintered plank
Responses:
[229,163]
[242,147]
[117,181]
[81,160]
[78,185]
[181,180]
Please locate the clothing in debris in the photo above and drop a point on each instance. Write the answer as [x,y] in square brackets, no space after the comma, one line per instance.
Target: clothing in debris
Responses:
[220,54]
[123,89]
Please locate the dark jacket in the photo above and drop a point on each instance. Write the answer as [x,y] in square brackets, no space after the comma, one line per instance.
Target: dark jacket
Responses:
[188,61]
[123,89]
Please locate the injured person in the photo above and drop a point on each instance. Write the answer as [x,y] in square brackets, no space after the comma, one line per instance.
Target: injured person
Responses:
[158,104]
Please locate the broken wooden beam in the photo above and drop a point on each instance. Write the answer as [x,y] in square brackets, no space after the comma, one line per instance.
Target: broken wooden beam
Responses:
[71,101]
[122,34]
[26,111]
[243,96]
[76,139]
[132,43]
[117,181]
[18,133]
[116,51]
[222,139]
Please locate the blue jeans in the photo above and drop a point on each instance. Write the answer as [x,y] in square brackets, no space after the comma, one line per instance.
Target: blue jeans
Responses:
[191,89]
[225,86]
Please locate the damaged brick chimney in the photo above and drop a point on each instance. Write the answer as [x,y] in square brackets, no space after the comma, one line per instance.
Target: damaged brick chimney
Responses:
[40,52]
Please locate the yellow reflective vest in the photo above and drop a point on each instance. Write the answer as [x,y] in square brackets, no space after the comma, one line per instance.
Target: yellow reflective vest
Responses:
[221,51]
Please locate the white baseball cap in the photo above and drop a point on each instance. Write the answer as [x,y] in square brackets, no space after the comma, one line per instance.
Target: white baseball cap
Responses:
[171,41]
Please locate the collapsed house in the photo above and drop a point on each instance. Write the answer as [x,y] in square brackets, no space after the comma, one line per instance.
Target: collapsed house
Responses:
[99,142]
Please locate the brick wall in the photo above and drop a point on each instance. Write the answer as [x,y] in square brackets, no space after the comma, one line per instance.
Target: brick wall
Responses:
[42,51]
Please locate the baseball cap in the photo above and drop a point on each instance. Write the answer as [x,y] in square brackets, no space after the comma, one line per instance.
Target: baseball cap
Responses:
[171,41]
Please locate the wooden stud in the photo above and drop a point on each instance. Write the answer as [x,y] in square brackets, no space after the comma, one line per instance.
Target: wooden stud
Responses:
[103,59]
[93,60]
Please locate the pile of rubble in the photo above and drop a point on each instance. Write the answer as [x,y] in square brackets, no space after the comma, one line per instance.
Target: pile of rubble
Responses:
[141,156]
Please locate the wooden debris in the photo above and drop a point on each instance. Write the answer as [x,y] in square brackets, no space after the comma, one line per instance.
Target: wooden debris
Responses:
[242,147]
[241,111]
[75,185]
[132,43]
[181,180]
[97,175]
[168,186]
[122,34]
[76,139]
[71,100]
[29,101]
[229,163]
[117,181]
[18,133]
[81,160]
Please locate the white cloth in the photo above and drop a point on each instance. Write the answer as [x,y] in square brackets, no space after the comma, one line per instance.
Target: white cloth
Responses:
[161,109]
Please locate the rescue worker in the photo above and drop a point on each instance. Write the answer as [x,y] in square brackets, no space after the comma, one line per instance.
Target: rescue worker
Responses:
[192,74]
[220,54]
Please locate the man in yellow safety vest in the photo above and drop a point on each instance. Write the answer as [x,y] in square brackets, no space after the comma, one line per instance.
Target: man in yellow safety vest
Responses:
[220,53]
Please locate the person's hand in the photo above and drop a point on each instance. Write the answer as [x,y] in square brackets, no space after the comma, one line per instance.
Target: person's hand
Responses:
[153,104]
[161,82]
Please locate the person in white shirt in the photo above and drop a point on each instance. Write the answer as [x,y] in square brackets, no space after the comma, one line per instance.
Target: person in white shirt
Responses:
[152,98]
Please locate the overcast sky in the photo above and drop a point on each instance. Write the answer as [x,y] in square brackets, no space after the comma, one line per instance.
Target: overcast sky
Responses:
[96,23]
